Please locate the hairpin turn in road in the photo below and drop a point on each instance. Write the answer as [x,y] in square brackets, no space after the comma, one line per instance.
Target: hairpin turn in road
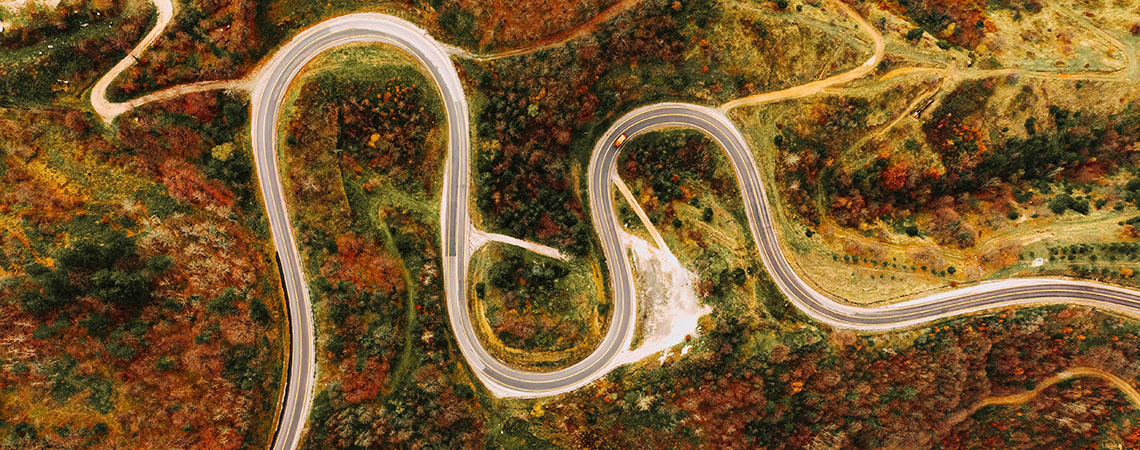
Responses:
[269,93]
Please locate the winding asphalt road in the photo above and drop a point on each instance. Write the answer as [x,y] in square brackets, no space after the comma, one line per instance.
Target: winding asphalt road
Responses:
[267,99]
[455,219]
[991,295]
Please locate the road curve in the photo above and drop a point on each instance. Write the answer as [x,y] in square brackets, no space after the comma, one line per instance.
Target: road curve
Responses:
[103,107]
[983,296]
[267,98]
[268,95]
[505,381]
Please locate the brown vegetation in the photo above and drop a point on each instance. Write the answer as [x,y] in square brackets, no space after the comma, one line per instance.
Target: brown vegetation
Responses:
[206,40]
[145,311]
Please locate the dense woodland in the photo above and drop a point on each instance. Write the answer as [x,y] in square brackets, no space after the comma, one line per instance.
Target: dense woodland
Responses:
[1078,406]
[755,383]
[543,111]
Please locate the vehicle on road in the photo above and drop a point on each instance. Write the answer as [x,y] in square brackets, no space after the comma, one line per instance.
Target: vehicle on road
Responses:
[620,140]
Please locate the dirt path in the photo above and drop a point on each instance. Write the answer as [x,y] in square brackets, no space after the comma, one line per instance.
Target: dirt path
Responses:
[880,49]
[1116,75]
[1121,74]
[108,111]
[1120,47]
[105,109]
[633,204]
[480,237]
[1019,398]
[817,86]
[115,109]
[557,40]
[952,76]
[923,99]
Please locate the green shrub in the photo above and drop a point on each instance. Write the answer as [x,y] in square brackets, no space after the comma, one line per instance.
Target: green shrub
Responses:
[1064,201]
[239,367]
[164,364]
[120,351]
[460,24]
[208,334]
[258,312]
[224,303]
[99,394]
[97,325]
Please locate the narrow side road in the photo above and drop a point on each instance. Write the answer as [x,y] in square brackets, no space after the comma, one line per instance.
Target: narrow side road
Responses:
[815,87]
[106,109]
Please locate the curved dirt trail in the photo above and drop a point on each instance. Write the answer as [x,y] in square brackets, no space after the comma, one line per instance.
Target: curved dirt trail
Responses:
[108,110]
[558,40]
[1016,399]
[1127,72]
